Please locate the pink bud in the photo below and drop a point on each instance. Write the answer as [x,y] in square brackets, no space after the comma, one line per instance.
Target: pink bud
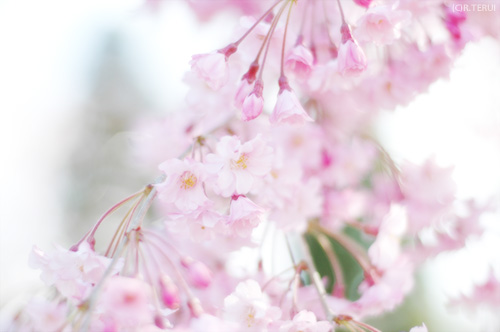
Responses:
[199,274]
[351,58]
[169,292]
[244,89]
[253,103]
[252,107]
[363,3]
[195,307]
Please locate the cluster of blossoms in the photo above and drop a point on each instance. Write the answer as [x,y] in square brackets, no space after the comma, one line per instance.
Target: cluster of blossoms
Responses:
[309,173]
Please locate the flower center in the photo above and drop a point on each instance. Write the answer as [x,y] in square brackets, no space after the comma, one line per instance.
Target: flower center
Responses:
[241,163]
[188,180]
[250,319]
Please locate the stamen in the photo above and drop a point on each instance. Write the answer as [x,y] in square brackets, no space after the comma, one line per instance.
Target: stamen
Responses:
[188,180]
[241,163]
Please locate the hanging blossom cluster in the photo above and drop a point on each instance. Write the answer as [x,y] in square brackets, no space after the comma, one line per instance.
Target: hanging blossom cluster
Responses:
[243,165]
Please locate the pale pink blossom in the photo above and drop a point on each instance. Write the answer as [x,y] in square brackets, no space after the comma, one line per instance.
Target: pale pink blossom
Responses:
[386,249]
[306,203]
[244,216]
[238,166]
[351,58]
[342,206]
[347,163]
[250,307]
[183,186]
[300,61]
[381,24]
[387,292]
[125,302]
[50,316]
[73,273]
[203,224]
[288,109]
[429,192]
[212,68]
[305,321]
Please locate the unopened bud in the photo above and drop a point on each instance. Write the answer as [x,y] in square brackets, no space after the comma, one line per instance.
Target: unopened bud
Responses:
[199,274]
[195,307]
[169,292]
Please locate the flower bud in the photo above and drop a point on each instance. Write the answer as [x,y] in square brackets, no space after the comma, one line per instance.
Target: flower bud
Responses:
[363,3]
[169,292]
[253,103]
[199,275]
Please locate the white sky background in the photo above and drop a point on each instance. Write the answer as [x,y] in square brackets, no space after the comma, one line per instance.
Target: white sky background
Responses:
[47,49]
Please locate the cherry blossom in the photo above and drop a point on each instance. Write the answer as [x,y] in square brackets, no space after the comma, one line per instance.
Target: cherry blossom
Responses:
[244,216]
[381,24]
[288,109]
[212,68]
[183,186]
[126,302]
[249,307]
[73,273]
[300,61]
[351,59]
[305,321]
[50,315]
[238,166]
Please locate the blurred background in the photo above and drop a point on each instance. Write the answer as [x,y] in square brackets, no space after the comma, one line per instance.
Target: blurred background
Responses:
[76,76]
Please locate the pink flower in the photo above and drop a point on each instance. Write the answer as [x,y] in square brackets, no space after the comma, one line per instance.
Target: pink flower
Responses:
[212,68]
[300,61]
[50,316]
[199,225]
[183,187]
[305,204]
[126,302]
[351,58]
[305,321]
[244,216]
[238,165]
[381,24]
[288,109]
[429,192]
[386,249]
[72,273]
[249,307]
